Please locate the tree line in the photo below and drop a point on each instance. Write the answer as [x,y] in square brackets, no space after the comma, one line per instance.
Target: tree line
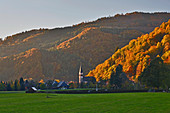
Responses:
[19,85]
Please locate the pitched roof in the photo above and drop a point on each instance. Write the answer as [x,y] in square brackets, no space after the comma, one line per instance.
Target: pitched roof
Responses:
[34,88]
[62,84]
[55,82]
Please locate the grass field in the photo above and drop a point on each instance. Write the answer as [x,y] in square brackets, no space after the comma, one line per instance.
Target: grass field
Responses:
[14,102]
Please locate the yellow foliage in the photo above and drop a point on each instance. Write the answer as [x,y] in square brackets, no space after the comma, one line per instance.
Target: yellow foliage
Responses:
[165,39]
[165,56]
[136,56]
[152,49]
[57,80]
[132,43]
[41,81]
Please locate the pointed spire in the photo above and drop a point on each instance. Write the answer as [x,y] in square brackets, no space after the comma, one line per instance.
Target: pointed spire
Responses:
[80,71]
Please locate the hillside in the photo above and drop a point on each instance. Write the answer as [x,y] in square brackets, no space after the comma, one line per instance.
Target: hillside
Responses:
[57,53]
[138,54]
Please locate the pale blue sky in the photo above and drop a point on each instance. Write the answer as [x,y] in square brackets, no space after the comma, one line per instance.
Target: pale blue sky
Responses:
[20,15]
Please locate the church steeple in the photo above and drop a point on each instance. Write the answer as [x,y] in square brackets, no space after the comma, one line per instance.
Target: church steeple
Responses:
[80,71]
[80,75]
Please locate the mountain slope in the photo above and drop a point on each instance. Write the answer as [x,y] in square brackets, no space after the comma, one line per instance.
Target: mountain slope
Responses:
[61,50]
[138,54]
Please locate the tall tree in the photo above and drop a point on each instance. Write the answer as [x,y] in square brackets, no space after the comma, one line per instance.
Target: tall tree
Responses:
[117,79]
[166,80]
[9,87]
[155,74]
[112,78]
[2,87]
[22,85]
[16,85]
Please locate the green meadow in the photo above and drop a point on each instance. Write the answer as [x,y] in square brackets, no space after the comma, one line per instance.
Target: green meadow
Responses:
[20,102]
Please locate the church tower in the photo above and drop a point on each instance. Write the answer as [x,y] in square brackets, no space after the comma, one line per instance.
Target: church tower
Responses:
[80,75]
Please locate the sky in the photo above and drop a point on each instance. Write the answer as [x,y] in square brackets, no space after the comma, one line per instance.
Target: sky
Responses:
[20,15]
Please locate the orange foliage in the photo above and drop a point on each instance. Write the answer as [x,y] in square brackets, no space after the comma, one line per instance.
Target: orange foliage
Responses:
[41,81]
[32,36]
[136,56]
[57,80]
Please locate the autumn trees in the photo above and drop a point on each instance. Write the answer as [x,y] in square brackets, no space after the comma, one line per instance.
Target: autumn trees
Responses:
[148,55]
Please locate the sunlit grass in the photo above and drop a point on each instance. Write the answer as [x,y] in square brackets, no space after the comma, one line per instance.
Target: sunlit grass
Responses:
[85,103]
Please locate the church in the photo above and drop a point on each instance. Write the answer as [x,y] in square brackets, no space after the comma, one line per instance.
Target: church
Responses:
[85,80]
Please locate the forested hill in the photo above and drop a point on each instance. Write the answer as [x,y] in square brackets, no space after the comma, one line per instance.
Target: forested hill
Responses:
[146,51]
[57,53]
